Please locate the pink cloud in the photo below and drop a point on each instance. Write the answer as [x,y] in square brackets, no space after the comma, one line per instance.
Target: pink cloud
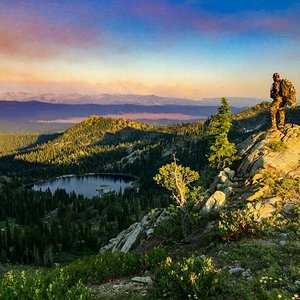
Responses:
[30,36]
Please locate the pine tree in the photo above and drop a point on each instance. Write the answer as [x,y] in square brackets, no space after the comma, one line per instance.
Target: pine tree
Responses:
[177,179]
[222,153]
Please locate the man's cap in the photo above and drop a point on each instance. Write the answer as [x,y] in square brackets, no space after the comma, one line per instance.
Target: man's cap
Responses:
[276,75]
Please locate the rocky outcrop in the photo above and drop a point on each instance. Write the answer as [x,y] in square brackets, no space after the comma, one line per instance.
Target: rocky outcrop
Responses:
[137,233]
[276,152]
[279,151]
[268,154]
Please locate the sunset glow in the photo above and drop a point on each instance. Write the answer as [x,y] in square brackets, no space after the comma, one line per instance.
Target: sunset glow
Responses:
[192,49]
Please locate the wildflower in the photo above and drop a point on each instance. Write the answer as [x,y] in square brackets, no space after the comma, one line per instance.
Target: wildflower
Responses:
[168,261]
[279,296]
[193,277]
[184,268]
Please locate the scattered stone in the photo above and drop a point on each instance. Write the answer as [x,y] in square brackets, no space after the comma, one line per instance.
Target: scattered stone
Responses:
[235,184]
[283,236]
[228,191]
[227,184]
[236,270]
[222,173]
[246,274]
[229,173]
[222,179]
[214,184]
[282,243]
[144,279]
[214,203]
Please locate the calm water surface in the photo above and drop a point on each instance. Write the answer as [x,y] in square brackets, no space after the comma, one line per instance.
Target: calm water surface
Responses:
[87,185]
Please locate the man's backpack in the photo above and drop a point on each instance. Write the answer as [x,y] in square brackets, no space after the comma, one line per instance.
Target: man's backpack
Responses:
[288,92]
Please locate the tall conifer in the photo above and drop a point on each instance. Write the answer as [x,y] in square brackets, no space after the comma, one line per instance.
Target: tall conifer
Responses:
[222,153]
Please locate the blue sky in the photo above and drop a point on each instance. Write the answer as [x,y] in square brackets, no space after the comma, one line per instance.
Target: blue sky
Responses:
[192,49]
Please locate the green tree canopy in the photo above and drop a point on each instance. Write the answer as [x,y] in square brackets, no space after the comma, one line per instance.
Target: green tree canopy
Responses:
[176,179]
[222,153]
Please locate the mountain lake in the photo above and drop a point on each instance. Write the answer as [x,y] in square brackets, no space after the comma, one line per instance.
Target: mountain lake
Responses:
[88,185]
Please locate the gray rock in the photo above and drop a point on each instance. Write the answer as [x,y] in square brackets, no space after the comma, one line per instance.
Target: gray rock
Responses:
[236,270]
[228,191]
[257,153]
[227,183]
[214,203]
[222,179]
[235,184]
[229,173]
[150,231]
[136,233]
[246,273]
[222,173]
[213,185]
[144,279]
[132,238]
[283,236]
[220,186]
[282,243]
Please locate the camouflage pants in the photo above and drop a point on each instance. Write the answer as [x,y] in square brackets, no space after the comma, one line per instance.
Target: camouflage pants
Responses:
[278,106]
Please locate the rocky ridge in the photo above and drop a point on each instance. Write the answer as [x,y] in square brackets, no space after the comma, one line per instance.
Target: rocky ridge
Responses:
[276,152]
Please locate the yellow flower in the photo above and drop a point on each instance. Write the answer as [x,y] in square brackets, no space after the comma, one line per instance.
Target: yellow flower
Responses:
[193,277]
[279,296]
[296,296]
[184,268]
[168,261]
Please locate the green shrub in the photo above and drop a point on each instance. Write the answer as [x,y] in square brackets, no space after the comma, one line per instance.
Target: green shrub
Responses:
[233,225]
[66,283]
[283,186]
[54,285]
[191,278]
[108,266]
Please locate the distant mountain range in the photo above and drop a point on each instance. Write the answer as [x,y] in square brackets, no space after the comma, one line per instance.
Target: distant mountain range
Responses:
[42,111]
[108,99]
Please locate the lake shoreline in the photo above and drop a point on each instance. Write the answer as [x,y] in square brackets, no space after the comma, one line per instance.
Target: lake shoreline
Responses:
[89,184]
[30,185]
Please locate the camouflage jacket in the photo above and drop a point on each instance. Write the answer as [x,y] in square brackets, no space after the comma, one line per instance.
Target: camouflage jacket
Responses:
[275,90]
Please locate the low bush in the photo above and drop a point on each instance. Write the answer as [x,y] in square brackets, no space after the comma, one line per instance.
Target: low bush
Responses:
[234,225]
[67,283]
[108,266]
[191,278]
[38,286]
[283,186]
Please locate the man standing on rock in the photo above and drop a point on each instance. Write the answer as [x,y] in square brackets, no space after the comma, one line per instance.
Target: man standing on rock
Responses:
[278,105]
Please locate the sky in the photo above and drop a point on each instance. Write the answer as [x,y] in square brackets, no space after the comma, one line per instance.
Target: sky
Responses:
[181,48]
